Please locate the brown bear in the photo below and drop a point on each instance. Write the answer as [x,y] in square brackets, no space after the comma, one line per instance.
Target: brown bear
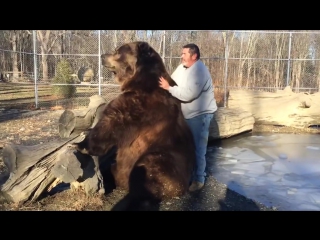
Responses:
[155,149]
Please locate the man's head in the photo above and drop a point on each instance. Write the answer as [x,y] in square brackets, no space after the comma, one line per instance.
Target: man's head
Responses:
[190,54]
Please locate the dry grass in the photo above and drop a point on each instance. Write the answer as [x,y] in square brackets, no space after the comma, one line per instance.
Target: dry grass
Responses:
[64,201]
[57,108]
[80,201]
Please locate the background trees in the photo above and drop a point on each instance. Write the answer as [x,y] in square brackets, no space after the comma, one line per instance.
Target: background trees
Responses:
[256,59]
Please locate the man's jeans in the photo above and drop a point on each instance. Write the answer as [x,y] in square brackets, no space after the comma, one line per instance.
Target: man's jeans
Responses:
[200,129]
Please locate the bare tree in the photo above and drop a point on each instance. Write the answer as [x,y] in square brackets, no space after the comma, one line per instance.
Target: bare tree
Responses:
[16,40]
[5,44]
[316,53]
[280,45]
[247,47]
[47,39]
[256,59]
[13,37]
[301,48]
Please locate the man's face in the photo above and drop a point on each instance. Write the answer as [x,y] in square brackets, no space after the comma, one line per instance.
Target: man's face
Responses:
[186,59]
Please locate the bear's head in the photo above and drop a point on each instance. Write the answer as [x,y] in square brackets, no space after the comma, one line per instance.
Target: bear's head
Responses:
[136,65]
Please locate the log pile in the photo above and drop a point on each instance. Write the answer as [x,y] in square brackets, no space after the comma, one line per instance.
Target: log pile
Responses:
[36,169]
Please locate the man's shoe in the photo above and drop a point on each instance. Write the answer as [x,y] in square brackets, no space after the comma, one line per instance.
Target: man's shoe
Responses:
[196,186]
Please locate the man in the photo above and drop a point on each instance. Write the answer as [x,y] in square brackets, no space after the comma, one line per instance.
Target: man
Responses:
[195,91]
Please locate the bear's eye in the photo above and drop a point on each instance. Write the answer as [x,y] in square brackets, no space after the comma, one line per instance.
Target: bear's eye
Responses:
[118,57]
[115,52]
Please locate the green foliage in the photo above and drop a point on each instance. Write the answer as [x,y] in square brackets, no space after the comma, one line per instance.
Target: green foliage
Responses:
[63,75]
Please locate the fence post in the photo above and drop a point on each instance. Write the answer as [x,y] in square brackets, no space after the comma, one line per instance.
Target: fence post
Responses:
[99,62]
[289,56]
[35,68]
[164,46]
[226,56]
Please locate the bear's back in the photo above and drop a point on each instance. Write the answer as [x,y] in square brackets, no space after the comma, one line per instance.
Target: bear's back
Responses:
[149,117]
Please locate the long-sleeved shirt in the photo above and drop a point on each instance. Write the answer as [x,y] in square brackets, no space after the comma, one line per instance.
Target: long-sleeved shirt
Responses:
[195,89]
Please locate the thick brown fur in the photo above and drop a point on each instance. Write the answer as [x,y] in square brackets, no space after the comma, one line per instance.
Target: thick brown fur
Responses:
[155,148]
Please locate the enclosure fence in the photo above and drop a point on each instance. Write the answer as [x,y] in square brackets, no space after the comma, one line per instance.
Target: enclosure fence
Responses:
[260,60]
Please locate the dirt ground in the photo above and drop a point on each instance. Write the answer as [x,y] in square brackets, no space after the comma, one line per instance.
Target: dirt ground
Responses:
[37,127]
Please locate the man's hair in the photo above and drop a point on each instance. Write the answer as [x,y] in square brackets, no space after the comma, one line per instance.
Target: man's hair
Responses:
[193,48]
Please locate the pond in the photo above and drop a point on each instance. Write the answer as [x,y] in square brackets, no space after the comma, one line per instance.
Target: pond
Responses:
[276,169]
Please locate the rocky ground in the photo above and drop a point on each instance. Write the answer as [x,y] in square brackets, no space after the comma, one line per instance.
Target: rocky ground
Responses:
[37,127]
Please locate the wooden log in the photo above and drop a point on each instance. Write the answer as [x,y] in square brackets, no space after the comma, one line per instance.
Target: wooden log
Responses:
[30,175]
[73,122]
[82,170]
[67,167]
[30,169]
[34,170]
[228,122]
[92,180]
[284,107]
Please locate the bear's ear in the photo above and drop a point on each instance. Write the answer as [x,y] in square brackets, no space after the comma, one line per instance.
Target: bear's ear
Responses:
[144,49]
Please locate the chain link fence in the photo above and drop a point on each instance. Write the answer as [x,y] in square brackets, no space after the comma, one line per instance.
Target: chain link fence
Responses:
[262,60]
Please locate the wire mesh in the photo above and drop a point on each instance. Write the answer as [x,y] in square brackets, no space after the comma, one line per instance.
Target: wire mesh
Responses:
[264,60]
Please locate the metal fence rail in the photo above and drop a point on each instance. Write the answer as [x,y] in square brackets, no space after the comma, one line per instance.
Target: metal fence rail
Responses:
[263,60]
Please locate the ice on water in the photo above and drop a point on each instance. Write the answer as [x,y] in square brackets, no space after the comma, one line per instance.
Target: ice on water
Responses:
[281,170]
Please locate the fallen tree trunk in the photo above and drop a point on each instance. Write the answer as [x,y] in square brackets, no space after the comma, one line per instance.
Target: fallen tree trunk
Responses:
[35,170]
[73,122]
[30,169]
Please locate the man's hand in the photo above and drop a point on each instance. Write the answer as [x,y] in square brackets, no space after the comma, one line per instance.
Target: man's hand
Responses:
[163,83]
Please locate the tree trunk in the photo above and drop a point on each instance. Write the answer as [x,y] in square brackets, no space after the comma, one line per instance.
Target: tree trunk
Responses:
[30,169]
[44,61]
[47,39]
[72,122]
[15,76]
[34,170]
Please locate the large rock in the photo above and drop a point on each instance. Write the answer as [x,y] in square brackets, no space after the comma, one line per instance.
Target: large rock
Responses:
[228,122]
[284,107]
